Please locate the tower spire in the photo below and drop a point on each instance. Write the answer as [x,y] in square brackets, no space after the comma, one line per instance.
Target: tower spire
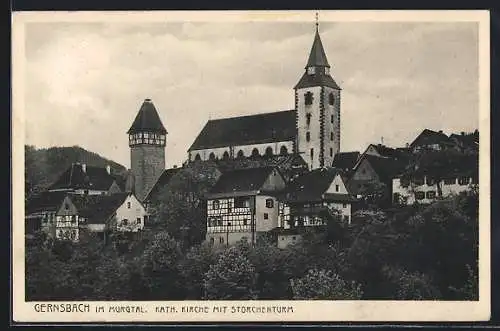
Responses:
[317,22]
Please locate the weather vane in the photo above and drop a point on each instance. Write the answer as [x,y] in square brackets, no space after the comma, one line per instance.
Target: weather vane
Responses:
[317,20]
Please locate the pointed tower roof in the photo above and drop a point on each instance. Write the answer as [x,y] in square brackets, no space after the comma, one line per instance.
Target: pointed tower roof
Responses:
[147,119]
[317,57]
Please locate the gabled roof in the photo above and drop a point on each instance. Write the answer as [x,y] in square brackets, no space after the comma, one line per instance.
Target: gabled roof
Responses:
[98,208]
[466,139]
[246,130]
[287,164]
[147,119]
[162,181]
[45,201]
[317,56]
[311,186]
[241,180]
[93,178]
[429,137]
[345,160]
[386,168]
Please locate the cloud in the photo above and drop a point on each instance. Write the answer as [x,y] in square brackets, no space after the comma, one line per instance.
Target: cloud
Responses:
[85,82]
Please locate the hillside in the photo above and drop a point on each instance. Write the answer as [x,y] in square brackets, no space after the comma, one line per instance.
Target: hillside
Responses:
[43,166]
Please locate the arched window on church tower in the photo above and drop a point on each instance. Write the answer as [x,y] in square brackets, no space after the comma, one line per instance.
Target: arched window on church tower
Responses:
[225,156]
[308,98]
[197,157]
[255,152]
[269,151]
[212,156]
[283,150]
[331,98]
[240,154]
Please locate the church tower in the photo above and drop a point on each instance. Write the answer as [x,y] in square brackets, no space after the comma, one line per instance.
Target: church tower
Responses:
[317,105]
[147,137]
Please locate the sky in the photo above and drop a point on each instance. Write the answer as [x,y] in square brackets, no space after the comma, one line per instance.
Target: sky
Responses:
[85,82]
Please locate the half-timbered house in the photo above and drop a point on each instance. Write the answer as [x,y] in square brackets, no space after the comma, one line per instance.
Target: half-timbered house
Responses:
[243,204]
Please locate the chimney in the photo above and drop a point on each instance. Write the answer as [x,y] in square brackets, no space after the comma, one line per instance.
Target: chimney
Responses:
[440,131]
[84,167]
[108,169]
[462,133]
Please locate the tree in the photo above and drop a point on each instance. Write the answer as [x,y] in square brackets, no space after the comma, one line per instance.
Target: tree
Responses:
[325,285]
[231,278]
[180,207]
[194,266]
[160,268]
[410,285]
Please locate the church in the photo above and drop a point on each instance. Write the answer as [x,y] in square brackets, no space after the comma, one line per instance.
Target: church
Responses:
[311,129]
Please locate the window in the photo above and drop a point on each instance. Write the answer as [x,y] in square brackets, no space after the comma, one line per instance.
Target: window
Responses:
[331,152]
[269,203]
[215,204]
[269,151]
[331,136]
[430,195]
[125,222]
[312,153]
[308,118]
[138,220]
[86,192]
[336,188]
[255,152]
[308,98]
[128,205]
[419,195]
[331,99]
[293,238]
[266,216]
[225,156]
[211,156]
[221,240]
[344,205]
[308,136]
[283,150]
[212,241]
[331,119]
[241,202]
[145,219]
[430,181]
[73,219]
[245,222]
[463,181]
[240,154]
[197,157]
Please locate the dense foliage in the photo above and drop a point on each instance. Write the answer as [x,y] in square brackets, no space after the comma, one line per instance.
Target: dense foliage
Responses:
[412,253]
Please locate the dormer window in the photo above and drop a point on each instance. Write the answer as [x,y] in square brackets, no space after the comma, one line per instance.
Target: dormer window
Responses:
[311,70]
[308,98]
